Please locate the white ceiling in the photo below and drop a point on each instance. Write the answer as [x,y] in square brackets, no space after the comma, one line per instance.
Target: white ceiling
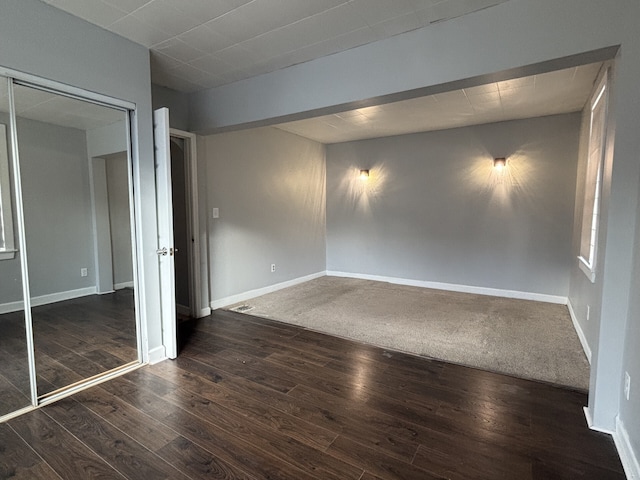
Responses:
[561,91]
[199,44]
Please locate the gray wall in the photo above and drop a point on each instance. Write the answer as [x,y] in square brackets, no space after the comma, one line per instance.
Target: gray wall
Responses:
[434,209]
[176,102]
[119,219]
[630,409]
[514,38]
[40,40]
[57,209]
[103,142]
[55,183]
[57,206]
[107,140]
[270,188]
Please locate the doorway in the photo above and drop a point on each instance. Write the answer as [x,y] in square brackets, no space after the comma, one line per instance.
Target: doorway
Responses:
[184,193]
[181,231]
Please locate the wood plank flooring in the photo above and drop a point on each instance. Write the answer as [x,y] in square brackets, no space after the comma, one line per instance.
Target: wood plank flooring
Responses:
[250,398]
[74,339]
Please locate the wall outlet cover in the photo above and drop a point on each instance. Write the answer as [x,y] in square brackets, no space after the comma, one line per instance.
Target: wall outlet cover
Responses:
[627,385]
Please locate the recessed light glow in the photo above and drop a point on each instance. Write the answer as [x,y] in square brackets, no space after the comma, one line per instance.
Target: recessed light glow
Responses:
[364,174]
[499,163]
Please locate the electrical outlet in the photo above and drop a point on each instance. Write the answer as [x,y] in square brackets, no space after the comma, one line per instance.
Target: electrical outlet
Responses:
[627,385]
[83,272]
[216,213]
[273,267]
[588,312]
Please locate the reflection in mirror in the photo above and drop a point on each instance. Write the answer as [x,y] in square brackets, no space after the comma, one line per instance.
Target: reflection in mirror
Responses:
[75,185]
[14,366]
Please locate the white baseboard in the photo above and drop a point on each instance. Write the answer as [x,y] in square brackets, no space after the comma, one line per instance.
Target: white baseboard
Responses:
[494,292]
[628,457]
[241,297]
[157,354]
[579,331]
[204,312]
[120,286]
[47,299]
[589,418]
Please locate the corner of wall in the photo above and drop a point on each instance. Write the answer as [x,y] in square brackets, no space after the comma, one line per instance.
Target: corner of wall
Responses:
[579,331]
[628,456]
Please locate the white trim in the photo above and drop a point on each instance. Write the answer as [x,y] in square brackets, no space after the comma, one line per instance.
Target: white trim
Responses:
[47,299]
[165,239]
[68,90]
[241,297]
[586,268]
[135,219]
[204,312]
[579,331]
[17,413]
[628,457]
[589,418]
[73,389]
[588,265]
[494,292]
[76,387]
[22,246]
[120,286]
[157,355]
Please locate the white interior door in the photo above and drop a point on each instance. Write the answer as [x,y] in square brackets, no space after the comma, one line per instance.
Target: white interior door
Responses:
[165,231]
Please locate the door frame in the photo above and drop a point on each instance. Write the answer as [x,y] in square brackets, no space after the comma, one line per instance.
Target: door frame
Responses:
[193,222]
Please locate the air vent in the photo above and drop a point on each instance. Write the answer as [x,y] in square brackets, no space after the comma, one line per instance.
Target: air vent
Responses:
[242,308]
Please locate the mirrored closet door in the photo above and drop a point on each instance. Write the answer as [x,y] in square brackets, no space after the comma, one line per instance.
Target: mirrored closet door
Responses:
[15,388]
[74,162]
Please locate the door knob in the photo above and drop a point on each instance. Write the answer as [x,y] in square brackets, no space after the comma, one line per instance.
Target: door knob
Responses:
[164,251]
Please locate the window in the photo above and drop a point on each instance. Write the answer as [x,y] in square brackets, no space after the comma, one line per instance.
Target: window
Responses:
[7,250]
[593,181]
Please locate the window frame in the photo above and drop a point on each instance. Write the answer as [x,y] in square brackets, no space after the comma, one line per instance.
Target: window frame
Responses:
[7,243]
[592,213]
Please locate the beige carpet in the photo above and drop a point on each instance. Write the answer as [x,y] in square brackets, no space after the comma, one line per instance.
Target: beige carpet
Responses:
[517,337]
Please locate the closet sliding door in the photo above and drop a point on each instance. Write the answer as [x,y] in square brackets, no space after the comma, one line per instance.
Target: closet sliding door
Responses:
[75,173]
[67,235]
[15,384]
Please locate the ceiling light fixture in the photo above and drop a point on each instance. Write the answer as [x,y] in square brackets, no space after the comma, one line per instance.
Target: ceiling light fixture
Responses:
[364,174]
[499,163]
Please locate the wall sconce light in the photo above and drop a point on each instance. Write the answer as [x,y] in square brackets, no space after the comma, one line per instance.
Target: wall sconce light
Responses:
[499,163]
[364,174]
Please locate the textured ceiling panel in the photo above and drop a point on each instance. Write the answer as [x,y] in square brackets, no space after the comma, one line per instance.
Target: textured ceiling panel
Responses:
[551,93]
[199,44]
[229,40]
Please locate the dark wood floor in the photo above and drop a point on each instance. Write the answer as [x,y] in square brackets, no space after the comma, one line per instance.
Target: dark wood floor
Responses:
[74,339]
[251,398]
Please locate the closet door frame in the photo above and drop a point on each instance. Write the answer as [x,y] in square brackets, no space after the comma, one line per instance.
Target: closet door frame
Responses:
[129,110]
